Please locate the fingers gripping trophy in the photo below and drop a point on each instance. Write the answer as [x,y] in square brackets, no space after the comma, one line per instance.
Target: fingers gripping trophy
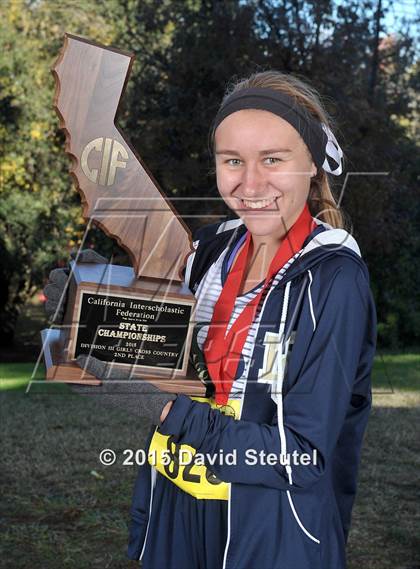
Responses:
[109,320]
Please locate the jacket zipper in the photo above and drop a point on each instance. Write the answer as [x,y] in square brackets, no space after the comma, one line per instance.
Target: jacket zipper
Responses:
[240,415]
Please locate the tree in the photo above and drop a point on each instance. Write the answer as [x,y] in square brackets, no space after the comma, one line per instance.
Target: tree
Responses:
[186,54]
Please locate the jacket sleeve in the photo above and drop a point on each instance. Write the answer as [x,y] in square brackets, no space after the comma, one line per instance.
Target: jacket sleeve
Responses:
[333,371]
[140,506]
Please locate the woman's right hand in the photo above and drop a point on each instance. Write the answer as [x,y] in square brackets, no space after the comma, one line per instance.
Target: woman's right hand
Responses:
[55,291]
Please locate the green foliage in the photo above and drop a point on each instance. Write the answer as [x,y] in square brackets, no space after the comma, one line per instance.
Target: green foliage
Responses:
[40,213]
[186,52]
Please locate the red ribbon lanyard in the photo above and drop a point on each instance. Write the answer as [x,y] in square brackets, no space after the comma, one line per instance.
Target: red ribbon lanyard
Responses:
[222,349]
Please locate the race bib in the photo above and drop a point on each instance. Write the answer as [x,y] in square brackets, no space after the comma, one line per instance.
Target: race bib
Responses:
[176,461]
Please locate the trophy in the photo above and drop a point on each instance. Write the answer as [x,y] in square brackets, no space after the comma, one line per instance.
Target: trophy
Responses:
[139,316]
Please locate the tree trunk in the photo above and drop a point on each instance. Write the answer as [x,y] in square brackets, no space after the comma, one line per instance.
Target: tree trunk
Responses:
[375,56]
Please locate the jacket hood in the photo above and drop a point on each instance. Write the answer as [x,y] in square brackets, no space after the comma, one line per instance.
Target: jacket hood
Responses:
[325,241]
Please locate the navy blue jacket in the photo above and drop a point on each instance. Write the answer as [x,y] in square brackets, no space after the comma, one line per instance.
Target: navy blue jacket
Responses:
[279,517]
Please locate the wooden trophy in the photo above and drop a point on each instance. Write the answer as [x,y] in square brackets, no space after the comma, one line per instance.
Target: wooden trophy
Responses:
[142,316]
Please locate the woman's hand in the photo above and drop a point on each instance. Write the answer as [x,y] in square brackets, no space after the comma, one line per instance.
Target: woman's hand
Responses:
[55,290]
[165,411]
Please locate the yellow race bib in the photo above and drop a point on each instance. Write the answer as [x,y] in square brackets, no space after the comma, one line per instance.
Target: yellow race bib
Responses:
[176,461]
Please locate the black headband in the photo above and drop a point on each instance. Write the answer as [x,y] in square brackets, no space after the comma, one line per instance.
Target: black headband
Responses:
[321,142]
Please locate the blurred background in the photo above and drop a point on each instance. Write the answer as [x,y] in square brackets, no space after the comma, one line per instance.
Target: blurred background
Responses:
[60,508]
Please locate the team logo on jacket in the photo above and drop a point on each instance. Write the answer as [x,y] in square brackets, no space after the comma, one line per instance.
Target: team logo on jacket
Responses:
[270,370]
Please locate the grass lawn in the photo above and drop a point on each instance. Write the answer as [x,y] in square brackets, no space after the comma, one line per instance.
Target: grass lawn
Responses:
[61,508]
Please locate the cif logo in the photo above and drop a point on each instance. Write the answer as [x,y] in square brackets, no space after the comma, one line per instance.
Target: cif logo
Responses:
[114,156]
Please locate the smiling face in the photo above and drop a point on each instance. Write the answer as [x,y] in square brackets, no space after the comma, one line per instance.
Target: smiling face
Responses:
[263,171]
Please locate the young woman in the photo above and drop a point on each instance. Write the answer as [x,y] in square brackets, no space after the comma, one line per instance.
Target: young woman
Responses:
[285,336]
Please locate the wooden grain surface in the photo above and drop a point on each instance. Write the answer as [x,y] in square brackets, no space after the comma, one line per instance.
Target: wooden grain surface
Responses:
[118,192]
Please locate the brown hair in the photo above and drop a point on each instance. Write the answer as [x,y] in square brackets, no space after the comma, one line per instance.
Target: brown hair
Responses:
[321,201]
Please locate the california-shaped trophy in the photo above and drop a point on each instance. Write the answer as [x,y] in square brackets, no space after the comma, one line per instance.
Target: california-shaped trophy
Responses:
[140,316]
